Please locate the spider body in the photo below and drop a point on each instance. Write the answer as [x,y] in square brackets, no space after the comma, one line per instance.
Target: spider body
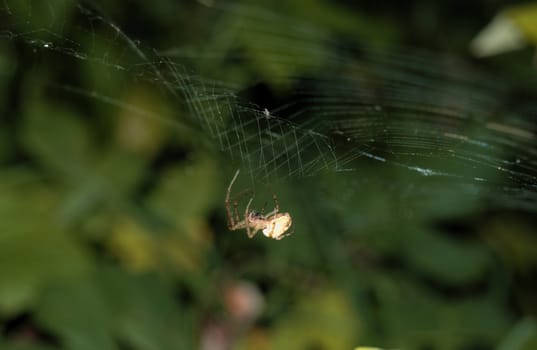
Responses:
[274,224]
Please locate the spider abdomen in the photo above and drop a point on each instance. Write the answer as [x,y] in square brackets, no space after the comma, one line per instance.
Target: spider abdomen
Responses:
[277,225]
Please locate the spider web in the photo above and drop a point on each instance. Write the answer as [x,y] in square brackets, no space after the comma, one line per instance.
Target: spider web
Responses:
[347,108]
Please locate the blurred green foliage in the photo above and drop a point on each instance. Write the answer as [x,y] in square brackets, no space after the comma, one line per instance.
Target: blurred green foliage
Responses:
[112,223]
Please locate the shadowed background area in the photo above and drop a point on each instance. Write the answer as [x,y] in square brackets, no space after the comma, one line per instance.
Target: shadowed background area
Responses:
[404,151]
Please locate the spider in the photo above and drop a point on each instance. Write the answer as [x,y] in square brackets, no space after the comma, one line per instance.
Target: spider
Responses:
[273,224]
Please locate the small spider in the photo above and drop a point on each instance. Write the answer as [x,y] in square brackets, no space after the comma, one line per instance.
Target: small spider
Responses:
[273,224]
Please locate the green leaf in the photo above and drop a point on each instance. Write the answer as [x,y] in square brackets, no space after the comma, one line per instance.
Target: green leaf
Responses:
[321,320]
[522,336]
[58,138]
[34,249]
[23,345]
[525,17]
[78,313]
[412,316]
[112,308]
[146,314]
[445,259]
[186,192]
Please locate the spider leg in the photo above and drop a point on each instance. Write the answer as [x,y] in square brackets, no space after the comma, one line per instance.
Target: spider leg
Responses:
[236,202]
[235,205]
[246,212]
[288,234]
[231,223]
[276,204]
[252,233]
[242,193]
[276,209]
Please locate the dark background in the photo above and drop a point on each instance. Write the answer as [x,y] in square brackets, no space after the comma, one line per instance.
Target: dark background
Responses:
[113,173]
